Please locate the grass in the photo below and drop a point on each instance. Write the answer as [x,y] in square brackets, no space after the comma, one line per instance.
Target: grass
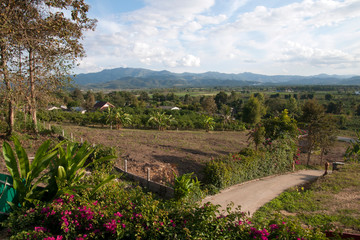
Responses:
[332,202]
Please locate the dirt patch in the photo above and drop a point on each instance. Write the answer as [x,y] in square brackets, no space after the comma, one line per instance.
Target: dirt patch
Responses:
[164,152]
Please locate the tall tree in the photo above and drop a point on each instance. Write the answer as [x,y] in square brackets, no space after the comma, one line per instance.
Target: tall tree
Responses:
[208,104]
[316,124]
[89,101]
[48,39]
[221,99]
[253,110]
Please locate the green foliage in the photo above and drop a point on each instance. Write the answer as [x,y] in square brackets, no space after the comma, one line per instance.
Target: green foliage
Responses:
[248,165]
[280,127]
[69,168]
[27,176]
[186,188]
[257,135]
[208,123]
[100,152]
[121,118]
[161,120]
[58,169]
[353,151]
[253,111]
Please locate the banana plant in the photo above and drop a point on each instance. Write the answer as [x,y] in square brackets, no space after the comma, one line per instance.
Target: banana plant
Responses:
[27,176]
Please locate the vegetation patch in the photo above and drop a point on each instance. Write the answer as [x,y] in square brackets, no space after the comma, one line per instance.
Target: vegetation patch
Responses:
[329,203]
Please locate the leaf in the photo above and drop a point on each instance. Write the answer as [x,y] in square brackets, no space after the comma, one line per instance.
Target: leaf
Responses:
[39,153]
[42,163]
[23,158]
[10,160]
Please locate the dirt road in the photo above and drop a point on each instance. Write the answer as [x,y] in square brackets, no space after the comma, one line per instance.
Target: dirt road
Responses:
[252,195]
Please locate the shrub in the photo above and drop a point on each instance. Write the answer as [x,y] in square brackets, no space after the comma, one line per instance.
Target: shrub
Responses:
[119,212]
[248,164]
[187,188]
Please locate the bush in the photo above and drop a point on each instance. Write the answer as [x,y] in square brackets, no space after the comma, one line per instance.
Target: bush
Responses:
[248,165]
[118,211]
[101,151]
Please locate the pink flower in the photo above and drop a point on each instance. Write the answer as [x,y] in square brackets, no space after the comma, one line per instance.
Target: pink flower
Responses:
[118,214]
[111,226]
[40,229]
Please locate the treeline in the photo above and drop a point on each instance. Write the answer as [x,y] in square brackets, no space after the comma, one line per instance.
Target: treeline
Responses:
[241,106]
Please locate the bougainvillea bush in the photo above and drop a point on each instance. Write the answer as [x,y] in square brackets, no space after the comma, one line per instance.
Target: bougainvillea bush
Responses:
[120,211]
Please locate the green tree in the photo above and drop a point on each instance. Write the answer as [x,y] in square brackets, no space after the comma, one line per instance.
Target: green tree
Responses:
[316,123]
[221,99]
[89,101]
[225,112]
[47,42]
[253,110]
[257,135]
[280,127]
[208,104]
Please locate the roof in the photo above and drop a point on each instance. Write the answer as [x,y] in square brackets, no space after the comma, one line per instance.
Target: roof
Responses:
[102,105]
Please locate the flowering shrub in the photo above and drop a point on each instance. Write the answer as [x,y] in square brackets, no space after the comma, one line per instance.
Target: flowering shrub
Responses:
[121,212]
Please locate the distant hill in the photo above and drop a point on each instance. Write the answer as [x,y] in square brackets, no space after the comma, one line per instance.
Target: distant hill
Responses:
[135,78]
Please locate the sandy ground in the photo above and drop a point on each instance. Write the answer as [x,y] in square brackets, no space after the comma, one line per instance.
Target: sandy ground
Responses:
[254,194]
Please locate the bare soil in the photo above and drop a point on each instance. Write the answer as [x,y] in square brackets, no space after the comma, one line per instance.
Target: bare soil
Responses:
[164,152]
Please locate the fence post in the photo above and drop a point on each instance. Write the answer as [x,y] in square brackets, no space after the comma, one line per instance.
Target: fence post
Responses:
[148,174]
[125,165]
[49,126]
[63,133]
[82,140]
[71,136]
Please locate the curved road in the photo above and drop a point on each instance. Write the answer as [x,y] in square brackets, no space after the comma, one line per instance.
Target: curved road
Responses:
[252,195]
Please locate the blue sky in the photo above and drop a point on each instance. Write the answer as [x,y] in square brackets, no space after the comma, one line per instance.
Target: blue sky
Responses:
[297,37]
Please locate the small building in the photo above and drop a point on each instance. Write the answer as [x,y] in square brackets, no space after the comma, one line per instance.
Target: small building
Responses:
[169,108]
[78,109]
[100,105]
[53,108]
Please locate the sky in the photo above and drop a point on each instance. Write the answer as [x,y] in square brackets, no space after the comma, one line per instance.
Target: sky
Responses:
[272,37]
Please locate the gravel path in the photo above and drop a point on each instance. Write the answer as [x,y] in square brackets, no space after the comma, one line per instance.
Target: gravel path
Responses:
[254,194]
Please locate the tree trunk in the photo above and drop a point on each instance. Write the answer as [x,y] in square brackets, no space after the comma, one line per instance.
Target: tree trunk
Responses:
[32,102]
[322,155]
[11,115]
[308,157]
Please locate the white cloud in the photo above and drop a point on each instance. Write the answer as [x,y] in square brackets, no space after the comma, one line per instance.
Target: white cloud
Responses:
[295,52]
[190,61]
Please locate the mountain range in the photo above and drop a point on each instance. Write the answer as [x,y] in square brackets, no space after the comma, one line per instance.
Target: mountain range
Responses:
[137,78]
